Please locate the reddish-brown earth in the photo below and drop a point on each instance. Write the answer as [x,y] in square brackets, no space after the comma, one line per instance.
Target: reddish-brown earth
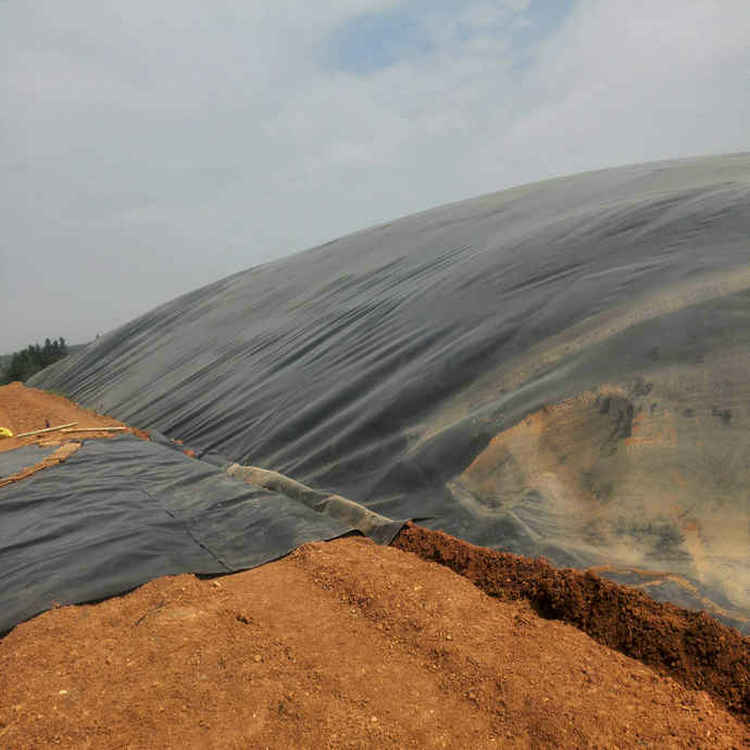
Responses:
[347,644]
[341,644]
[692,647]
[24,409]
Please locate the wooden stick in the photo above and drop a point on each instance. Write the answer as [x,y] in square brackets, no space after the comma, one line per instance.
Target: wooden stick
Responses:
[94,429]
[48,429]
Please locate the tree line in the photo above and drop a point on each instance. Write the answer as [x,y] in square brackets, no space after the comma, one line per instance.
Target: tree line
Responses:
[32,359]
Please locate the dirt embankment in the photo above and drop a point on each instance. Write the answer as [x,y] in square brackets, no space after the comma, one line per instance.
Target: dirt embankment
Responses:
[341,645]
[24,409]
[691,647]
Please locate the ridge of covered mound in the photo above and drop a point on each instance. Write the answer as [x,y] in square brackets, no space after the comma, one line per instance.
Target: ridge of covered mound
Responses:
[557,370]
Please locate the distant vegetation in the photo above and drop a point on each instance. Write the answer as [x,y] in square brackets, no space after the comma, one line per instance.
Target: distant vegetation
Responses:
[29,361]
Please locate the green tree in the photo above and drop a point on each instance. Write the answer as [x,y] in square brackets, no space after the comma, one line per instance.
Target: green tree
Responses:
[29,361]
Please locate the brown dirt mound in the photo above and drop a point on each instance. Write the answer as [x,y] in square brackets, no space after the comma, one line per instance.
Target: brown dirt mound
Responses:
[691,647]
[24,409]
[340,645]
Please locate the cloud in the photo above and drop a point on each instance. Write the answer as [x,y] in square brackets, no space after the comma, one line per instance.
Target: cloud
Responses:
[149,148]
[637,81]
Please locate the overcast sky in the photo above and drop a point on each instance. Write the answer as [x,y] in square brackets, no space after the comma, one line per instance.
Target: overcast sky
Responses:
[149,147]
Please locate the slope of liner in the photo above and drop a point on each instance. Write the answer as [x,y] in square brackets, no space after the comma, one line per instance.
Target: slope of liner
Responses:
[58,456]
[120,512]
[15,461]
[387,367]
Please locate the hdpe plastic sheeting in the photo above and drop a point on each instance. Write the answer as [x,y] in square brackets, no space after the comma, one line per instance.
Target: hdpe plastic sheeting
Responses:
[558,369]
[12,462]
[121,512]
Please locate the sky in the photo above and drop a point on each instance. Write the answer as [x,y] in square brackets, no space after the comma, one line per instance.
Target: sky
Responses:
[150,147]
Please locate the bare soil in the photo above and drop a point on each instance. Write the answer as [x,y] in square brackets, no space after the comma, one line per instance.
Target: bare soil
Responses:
[691,647]
[24,409]
[341,644]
